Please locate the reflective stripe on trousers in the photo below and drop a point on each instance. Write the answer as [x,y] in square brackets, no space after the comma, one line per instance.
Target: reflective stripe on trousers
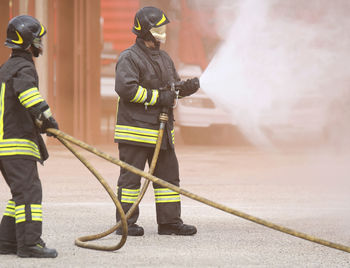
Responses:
[166,195]
[35,212]
[129,195]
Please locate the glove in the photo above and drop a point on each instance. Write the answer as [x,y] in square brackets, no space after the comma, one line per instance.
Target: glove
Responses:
[48,123]
[188,87]
[166,98]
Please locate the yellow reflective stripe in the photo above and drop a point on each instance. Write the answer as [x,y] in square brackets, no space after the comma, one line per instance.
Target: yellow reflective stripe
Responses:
[10,209]
[20,39]
[144,96]
[32,102]
[11,204]
[3,86]
[20,218]
[131,137]
[165,195]
[138,27]
[30,97]
[137,130]
[20,209]
[36,210]
[117,109]
[37,217]
[164,191]
[130,191]
[167,199]
[20,213]
[155,94]
[19,147]
[27,93]
[161,20]
[128,199]
[18,142]
[129,195]
[140,96]
[42,30]
[136,134]
[137,95]
[19,152]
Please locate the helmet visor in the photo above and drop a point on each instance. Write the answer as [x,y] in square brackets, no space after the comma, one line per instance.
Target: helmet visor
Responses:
[159,33]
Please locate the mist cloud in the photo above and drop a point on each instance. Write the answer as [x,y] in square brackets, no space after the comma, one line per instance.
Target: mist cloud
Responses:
[282,72]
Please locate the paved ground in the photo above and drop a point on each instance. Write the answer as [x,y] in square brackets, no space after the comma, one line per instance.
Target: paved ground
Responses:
[308,192]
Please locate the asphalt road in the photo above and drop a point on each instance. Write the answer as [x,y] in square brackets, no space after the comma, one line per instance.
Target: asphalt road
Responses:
[305,191]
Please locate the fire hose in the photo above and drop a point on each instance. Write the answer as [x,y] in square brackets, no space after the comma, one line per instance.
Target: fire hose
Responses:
[81,242]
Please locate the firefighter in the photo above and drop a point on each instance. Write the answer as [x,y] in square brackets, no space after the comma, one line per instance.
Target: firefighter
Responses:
[143,75]
[21,144]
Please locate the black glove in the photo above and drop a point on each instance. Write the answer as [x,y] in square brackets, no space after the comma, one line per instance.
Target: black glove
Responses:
[188,87]
[166,98]
[48,123]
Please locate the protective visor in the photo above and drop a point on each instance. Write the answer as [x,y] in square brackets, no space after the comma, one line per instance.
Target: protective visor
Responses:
[159,33]
[37,43]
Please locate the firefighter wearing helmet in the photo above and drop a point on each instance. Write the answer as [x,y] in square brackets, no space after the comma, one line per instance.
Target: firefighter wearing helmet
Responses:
[21,145]
[143,75]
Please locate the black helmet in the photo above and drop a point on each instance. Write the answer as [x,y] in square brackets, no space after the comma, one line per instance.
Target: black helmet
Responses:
[23,31]
[147,18]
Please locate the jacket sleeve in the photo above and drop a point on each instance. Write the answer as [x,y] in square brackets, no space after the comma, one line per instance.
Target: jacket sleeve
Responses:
[176,75]
[127,82]
[26,88]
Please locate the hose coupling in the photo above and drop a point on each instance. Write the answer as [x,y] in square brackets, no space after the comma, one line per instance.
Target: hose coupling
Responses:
[163,117]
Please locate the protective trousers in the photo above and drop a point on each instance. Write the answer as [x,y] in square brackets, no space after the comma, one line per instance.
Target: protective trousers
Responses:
[22,220]
[168,207]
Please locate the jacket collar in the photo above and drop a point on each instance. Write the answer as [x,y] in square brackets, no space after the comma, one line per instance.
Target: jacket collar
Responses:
[22,53]
[149,51]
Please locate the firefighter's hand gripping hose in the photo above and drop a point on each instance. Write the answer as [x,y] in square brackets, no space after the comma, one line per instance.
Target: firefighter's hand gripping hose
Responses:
[65,138]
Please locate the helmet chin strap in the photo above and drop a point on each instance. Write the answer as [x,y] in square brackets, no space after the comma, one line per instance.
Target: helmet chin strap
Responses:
[35,51]
[149,37]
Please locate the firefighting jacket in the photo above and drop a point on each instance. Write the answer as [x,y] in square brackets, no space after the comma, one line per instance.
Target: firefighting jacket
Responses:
[140,74]
[19,137]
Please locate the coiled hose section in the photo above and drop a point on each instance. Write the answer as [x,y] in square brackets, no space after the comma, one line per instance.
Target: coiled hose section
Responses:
[81,242]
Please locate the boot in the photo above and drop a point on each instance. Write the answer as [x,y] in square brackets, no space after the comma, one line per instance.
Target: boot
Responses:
[176,229]
[37,251]
[8,248]
[133,230]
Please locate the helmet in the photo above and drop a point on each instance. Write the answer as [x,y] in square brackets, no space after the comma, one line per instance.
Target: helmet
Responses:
[150,22]
[24,31]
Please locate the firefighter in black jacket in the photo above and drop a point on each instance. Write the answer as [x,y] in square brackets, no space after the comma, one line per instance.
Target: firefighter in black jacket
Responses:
[21,144]
[143,75]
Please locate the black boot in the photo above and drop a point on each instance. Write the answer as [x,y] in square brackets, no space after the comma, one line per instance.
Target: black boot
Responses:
[37,251]
[8,248]
[133,230]
[176,229]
